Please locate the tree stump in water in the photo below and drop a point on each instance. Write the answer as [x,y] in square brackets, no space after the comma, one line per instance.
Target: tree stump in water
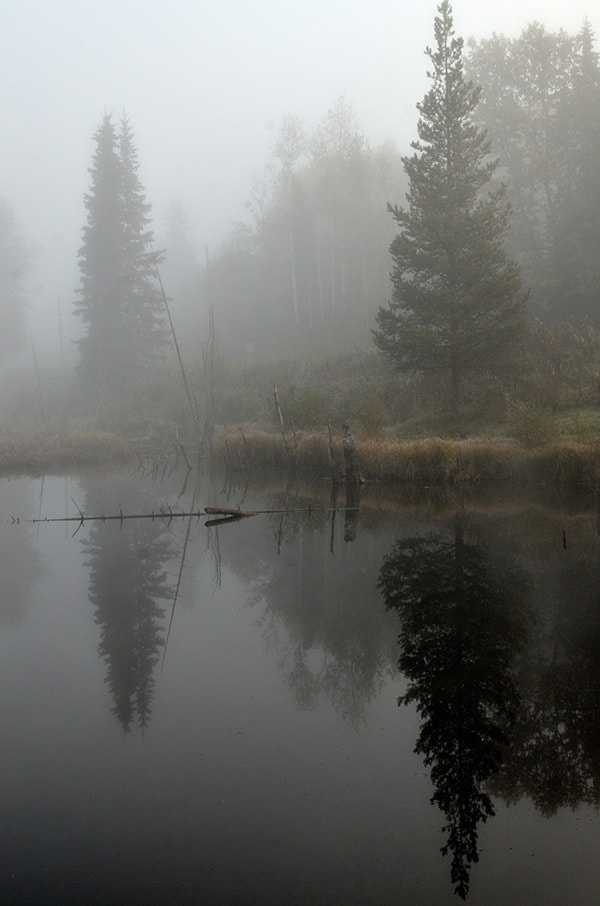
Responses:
[353,473]
[354,480]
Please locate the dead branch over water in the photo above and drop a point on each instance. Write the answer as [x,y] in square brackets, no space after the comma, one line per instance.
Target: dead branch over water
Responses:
[228,514]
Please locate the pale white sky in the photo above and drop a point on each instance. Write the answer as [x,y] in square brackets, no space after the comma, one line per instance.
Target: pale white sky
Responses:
[203,83]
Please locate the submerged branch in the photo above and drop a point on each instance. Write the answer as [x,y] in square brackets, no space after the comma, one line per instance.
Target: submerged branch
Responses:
[228,514]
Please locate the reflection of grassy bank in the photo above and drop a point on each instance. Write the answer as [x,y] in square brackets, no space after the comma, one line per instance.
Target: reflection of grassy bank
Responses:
[434,460]
[46,453]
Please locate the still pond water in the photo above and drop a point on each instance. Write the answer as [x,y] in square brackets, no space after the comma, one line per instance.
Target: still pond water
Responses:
[196,714]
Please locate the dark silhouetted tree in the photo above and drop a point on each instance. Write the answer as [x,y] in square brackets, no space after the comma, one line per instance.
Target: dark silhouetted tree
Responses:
[461,615]
[457,304]
[119,302]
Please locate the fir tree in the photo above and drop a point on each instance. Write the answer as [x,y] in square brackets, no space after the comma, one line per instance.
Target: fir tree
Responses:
[119,302]
[457,303]
[140,262]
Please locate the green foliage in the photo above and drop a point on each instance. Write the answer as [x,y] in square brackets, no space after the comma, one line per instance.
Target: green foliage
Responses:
[457,305]
[119,300]
[559,368]
[583,428]
[540,105]
[531,426]
[305,408]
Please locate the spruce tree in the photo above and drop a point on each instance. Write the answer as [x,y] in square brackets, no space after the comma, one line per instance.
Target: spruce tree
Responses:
[119,302]
[145,314]
[457,303]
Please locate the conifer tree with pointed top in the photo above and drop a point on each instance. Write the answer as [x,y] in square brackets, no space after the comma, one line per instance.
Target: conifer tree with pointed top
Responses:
[457,304]
[119,300]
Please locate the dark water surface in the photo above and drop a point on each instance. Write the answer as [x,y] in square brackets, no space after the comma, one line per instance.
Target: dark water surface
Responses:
[210,715]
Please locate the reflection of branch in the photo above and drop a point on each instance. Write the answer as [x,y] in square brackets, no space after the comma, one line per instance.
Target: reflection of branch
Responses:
[180,574]
[213,546]
[176,593]
[333,509]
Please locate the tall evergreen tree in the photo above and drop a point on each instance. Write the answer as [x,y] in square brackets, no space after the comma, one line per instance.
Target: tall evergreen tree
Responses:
[457,303]
[118,298]
[140,261]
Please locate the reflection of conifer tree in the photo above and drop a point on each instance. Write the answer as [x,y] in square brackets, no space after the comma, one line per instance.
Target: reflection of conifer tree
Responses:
[556,748]
[460,631]
[127,580]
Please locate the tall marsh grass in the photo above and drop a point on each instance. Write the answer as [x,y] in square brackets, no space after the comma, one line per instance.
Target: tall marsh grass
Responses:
[436,460]
[34,454]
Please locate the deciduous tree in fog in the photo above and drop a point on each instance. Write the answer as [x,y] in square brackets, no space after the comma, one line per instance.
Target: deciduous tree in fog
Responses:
[15,260]
[576,246]
[526,82]
[119,300]
[457,303]
[307,274]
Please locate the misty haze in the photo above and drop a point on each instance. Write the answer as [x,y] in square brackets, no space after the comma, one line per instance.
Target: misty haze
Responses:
[300,451]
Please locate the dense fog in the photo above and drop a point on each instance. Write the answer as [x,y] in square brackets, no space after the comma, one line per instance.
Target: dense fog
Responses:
[269,139]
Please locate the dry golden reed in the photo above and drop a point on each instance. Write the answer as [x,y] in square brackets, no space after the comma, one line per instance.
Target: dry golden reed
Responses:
[34,455]
[435,460]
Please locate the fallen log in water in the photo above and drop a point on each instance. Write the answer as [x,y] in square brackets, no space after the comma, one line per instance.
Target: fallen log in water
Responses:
[227,514]
[227,511]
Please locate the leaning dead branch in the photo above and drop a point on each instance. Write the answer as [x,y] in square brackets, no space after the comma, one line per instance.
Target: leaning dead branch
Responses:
[188,394]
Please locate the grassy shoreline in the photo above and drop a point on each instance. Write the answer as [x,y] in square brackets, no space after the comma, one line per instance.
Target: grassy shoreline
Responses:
[258,451]
[435,460]
[38,454]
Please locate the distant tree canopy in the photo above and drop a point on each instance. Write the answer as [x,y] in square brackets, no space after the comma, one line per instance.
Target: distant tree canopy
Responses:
[15,260]
[311,268]
[457,304]
[540,105]
[119,299]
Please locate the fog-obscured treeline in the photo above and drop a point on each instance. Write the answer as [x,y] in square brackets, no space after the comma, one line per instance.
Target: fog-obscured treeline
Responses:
[307,268]
[310,268]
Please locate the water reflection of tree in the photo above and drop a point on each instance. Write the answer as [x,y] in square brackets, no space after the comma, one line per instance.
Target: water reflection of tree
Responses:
[462,624]
[556,739]
[332,645]
[316,608]
[127,581]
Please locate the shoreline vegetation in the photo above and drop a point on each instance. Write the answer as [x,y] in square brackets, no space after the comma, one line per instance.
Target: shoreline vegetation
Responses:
[254,451]
[434,460]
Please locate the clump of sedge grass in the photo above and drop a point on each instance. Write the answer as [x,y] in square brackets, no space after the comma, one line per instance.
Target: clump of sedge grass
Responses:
[41,453]
[436,461]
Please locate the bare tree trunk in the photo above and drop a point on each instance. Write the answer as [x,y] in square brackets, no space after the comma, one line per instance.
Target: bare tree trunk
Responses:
[292,250]
[353,474]
[280,416]
[331,452]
